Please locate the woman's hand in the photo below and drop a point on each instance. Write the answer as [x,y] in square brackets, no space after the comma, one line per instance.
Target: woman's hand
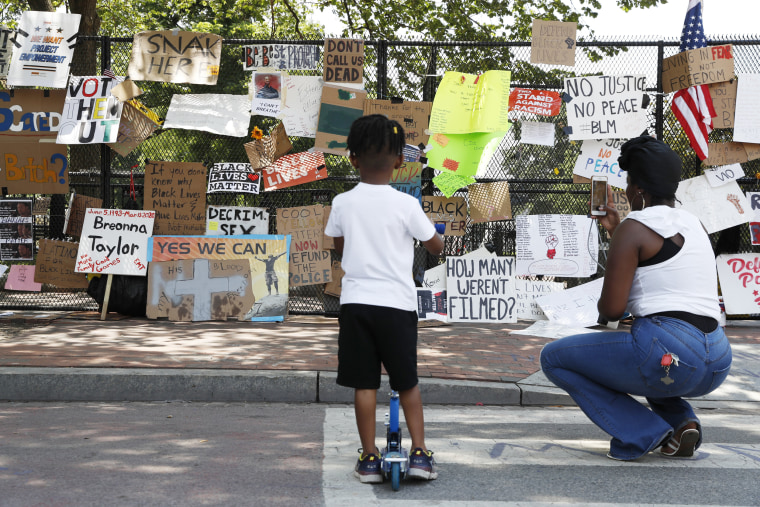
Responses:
[611,220]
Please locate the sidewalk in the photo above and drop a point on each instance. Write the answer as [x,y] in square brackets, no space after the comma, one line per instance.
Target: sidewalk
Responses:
[76,357]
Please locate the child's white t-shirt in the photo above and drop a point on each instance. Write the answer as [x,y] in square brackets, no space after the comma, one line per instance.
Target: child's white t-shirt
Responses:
[379,225]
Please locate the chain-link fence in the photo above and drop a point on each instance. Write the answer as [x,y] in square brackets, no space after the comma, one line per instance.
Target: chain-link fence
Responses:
[540,177]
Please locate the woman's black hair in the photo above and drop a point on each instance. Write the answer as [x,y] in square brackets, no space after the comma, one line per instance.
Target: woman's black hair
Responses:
[376,134]
[652,165]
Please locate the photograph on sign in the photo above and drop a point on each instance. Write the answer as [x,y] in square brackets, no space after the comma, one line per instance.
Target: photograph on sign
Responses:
[281,56]
[175,56]
[302,96]
[717,208]
[599,157]
[480,290]
[223,114]
[91,115]
[234,220]
[16,231]
[267,94]
[558,245]
[431,304]
[236,177]
[553,42]
[343,61]
[6,50]
[177,193]
[467,103]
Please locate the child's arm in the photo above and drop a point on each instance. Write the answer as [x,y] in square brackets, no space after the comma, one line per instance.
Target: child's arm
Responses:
[338,242]
[434,245]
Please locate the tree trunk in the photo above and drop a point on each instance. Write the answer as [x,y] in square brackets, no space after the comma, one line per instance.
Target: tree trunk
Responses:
[41,5]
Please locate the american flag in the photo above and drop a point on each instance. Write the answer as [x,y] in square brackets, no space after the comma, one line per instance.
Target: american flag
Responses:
[693,106]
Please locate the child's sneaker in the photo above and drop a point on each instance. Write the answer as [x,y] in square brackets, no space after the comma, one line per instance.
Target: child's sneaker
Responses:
[422,465]
[368,469]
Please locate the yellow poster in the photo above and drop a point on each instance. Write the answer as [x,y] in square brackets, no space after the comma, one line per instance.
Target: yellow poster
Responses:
[466,103]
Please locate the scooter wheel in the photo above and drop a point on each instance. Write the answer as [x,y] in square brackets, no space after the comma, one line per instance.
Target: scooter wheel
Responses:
[395,476]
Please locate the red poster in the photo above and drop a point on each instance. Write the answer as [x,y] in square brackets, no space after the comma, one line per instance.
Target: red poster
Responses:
[541,102]
[295,169]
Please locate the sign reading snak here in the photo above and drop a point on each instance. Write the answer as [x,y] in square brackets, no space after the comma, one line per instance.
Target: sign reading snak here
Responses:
[176,57]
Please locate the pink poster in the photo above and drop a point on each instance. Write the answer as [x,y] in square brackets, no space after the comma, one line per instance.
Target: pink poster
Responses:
[21,277]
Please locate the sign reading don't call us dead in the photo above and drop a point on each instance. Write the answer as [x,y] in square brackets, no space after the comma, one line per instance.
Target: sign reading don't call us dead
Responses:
[344,61]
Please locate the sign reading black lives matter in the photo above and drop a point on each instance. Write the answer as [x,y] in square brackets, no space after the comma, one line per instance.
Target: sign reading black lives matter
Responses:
[233,177]
[115,241]
[281,56]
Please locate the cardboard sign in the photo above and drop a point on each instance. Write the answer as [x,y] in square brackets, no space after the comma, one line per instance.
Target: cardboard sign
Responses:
[725,154]
[717,208]
[718,176]
[334,287]
[234,177]
[723,97]
[575,306]
[176,57]
[295,169]
[263,152]
[599,157]
[408,178]
[467,103]
[606,107]
[56,262]
[697,67]
[21,277]
[76,211]
[126,90]
[481,290]
[134,128]
[540,102]
[234,220]
[281,56]
[620,201]
[16,233]
[739,282]
[328,243]
[45,43]
[746,127]
[177,193]
[553,42]
[451,211]
[91,115]
[115,241]
[412,115]
[267,95]
[489,202]
[344,61]
[6,49]
[527,290]
[556,245]
[339,108]
[300,107]
[753,150]
[309,261]
[223,114]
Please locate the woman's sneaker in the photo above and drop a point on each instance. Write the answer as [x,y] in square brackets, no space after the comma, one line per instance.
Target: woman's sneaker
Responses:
[422,465]
[368,468]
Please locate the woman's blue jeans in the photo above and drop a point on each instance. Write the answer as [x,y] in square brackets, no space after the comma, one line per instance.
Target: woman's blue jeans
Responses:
[601,370]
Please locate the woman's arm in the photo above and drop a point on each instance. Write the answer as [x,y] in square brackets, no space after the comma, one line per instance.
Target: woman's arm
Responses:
[622,260]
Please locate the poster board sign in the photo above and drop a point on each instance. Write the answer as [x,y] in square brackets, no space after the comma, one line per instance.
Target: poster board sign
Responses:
[236,220]
[723,97]
[449,183]
[746,126]
[177,193]
[263,152]
[16,231]
[489,202]
[75,214]
[237,177]
[527,290]
[115,241]
[300,107]
[91,115]
[334,287]
[557,245]
[463,154]
[267,94]
[412,115]
[21,278]
[134,128]
[725,154]
[753,198]
[599,157]
[480,290]
[174,56]
[218,113]
[6,49]
[620,201]
[605,107]
[310,263]
[721,175]
[56,263]
[553,42]
[339,107]
[539,102]
[450,211]
[466,103]
[281,56]
[717,208]
[575,306]
[295,169]
[711,64]
[45,43]
[267,254]
[537,132]
[739,282]
[344,61]
[408,179]
[431,304]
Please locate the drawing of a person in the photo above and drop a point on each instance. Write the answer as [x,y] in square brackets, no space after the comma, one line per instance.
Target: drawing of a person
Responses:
[269,274]
[267,91]
[551,244]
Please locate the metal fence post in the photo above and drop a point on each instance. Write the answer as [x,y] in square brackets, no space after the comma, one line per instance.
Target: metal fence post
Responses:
[105,151]
[382,69]
[659,118]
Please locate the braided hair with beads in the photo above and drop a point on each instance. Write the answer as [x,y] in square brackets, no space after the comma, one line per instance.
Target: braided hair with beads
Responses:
[374,136]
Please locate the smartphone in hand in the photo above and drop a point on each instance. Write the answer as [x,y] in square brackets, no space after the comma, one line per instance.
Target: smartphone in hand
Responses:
[598,194]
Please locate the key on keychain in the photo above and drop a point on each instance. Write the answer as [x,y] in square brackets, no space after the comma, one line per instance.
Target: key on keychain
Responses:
[667,360]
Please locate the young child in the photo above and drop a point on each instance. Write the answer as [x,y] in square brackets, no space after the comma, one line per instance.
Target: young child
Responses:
[374,226]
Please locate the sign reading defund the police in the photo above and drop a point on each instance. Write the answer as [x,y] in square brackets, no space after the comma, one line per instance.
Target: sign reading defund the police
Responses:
[115,241]
[90,114]
[481,290]
[604,107]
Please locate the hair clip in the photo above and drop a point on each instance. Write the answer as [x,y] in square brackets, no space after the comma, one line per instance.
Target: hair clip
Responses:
[395,130]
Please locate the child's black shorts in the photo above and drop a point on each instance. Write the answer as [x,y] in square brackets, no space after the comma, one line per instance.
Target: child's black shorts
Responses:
[370,335]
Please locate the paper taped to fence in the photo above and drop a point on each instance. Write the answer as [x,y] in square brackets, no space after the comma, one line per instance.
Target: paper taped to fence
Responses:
[175,56]
[217,113]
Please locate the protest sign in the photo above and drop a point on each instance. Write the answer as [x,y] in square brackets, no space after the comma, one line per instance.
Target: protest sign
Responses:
[431,304]
[725,154]
[746,127]
[263,152]
[605,107]
[699,66]
[723,97]
[328,243]
[739,282]
[56,263]
[115,241]
[575,306]
[558,245]
[126,90]
[223,114]
[721,175]
[21,278]
[412,115]
[489,202]
[599,157]
[16,231]
[344,61]
[177,193]
[753,198]
[407,179]
[235,177]
[466,103]
[551,329]
[450,211]
[300,107]
[526,292]
[753,150]
[620,201]
[234,220]
[174,56]
[295,169]
[75,213]
[480,290]
[553,42]
[717,208]
[537,132]
[281,56]
[41,205]
[540,102]
[267,96]
[310,263]
[134,128]
[91,114]
[33,163]
[449,183]
[6,49]
[45,43]
[339,107]
[464,154]
[334,287]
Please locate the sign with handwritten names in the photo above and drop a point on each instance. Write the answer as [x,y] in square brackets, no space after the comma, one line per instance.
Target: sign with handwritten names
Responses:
[537,132]
[527,290]
[56,263]
[237,177]
[177,193]
[558,245]
[21,278]
[413,116]
[553,42]
[174,56]
[310,263]
[466,103]
[726,154]
[295,169]
[281,56]
[606,107]
[6,49]
[717,208]
[711,64]
[746,126]
[723,97]
[489,202]
[115,241]
[481,290]
[234,220]
[45,43]
[408,178]
[575,306]
[344,61]
[599,157]
[91,115]
[450,211]
[16,231]
[300,108]
[339,108]
[218,113]
[539,102]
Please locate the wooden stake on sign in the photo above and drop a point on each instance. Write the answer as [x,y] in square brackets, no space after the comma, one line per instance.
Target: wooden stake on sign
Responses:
[107,297]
